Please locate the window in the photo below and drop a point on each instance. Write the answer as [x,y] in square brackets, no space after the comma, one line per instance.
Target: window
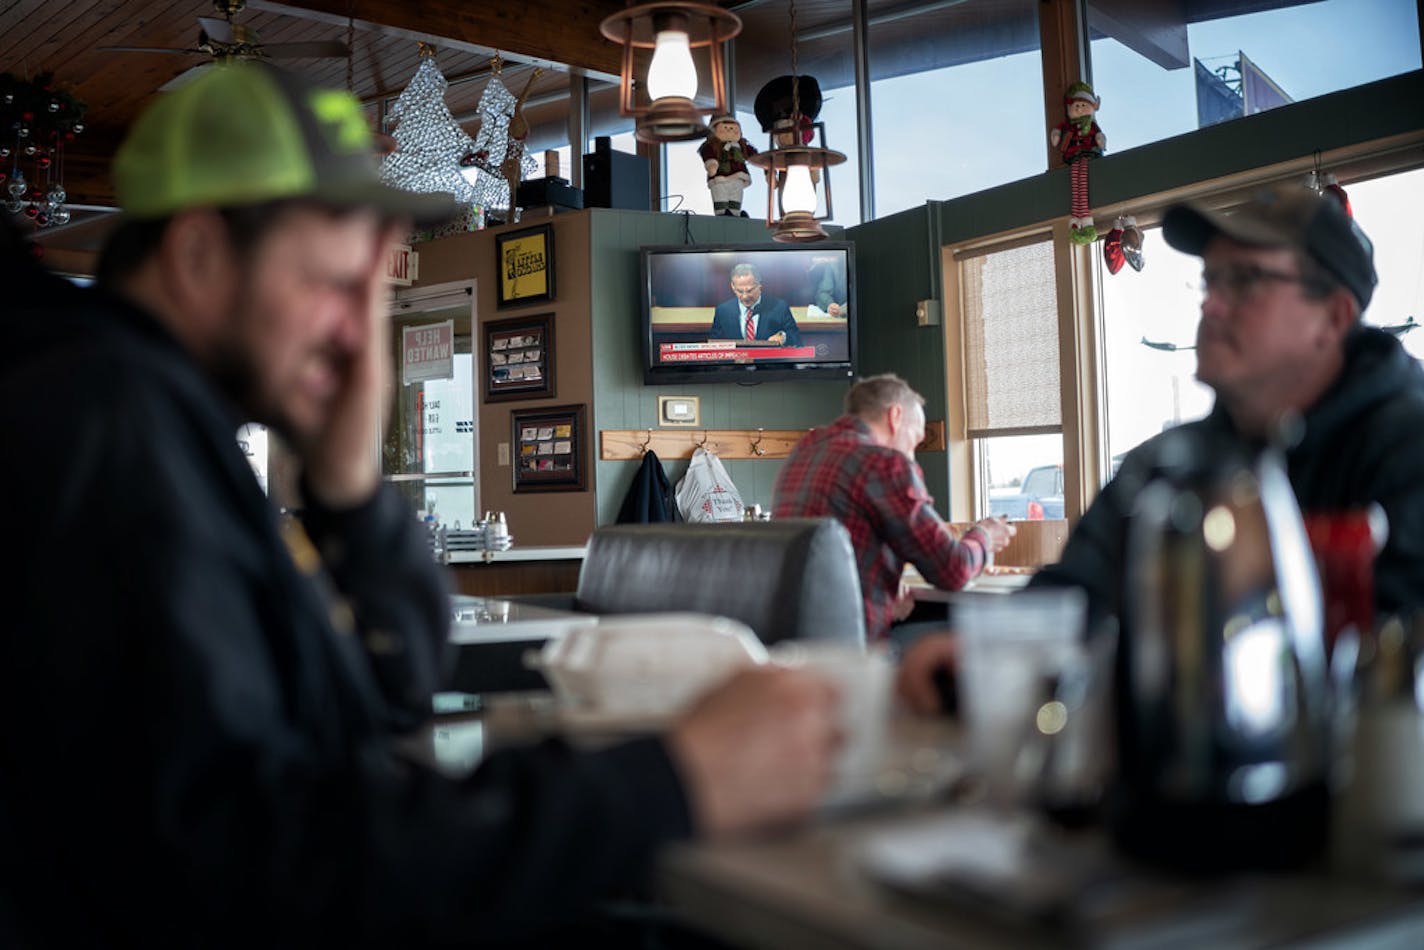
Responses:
[430,445]
[1150,318]
[1149,328]
[1162,74]
[252,440]
[957,100]
[1010,378]
[1020,476]
[1381,206]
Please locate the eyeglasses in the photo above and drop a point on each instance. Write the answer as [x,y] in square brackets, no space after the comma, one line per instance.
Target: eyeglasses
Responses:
[1240,283]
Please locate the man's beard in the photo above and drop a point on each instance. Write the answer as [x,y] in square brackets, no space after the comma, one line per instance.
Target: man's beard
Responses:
[234,369]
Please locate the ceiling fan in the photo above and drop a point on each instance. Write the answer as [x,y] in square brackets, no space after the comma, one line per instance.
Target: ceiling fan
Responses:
[226,41]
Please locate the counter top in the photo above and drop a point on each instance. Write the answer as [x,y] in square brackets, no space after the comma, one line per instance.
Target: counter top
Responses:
[517,553]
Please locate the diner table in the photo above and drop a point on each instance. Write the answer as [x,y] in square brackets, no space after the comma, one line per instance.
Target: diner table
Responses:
[917,859]
[994,580]
[929,876]
[491,636]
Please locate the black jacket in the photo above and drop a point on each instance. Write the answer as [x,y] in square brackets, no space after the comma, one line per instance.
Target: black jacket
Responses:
[650,497]
[1360,443]
[197,750]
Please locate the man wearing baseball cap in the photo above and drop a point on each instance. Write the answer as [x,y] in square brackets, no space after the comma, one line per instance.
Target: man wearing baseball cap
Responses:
[200,699]
[1285,278]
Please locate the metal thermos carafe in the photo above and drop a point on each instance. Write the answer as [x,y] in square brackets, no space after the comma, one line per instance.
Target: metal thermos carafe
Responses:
[1223,688]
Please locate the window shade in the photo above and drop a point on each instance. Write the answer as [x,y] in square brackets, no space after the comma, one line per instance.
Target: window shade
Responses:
[1011,342]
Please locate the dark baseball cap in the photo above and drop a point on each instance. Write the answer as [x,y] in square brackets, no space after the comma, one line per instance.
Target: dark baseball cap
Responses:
[246,133]
[1289,217]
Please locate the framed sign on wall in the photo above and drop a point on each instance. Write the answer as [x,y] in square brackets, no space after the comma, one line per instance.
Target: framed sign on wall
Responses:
[549,449]
[519,358]
[526,265]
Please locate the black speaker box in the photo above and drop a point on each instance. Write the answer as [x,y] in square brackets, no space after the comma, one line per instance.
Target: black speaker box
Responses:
[613,179]
[549,191]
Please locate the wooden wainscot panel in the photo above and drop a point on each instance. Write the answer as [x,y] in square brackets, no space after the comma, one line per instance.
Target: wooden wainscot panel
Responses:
[1035,543]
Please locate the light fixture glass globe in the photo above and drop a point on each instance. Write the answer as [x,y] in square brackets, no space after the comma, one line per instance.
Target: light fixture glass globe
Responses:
[798,194]
[672,73]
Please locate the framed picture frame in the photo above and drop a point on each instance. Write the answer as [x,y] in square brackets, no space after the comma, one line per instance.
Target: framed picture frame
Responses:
[524,261]
[519,358]
[549,449]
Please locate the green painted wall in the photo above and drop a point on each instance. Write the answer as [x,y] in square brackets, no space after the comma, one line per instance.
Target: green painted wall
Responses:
[621,401]
[897,265]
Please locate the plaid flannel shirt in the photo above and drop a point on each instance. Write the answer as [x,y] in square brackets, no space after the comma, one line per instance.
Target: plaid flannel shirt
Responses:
[879,495]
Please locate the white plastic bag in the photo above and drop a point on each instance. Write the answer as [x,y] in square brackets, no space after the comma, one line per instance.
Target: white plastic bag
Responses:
[705,493]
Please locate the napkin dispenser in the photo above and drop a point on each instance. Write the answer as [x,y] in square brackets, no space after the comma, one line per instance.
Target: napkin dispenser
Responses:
[1223,688]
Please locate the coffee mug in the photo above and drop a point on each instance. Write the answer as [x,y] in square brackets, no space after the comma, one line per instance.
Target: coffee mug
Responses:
[865,681]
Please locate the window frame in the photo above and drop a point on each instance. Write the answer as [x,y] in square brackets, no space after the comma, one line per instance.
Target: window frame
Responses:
[1086,463]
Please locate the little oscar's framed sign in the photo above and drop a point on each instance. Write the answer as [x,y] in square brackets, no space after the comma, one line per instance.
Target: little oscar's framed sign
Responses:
[526,265]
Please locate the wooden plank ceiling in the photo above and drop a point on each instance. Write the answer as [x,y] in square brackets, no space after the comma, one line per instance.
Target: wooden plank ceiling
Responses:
[65,39]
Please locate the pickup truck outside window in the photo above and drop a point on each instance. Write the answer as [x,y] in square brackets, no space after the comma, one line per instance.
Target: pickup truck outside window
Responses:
[1039,496]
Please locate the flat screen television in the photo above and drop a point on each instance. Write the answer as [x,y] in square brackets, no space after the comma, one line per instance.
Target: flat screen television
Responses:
[695,327]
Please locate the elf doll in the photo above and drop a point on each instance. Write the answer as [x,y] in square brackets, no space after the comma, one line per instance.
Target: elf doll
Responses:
[1079,139]
[725,155]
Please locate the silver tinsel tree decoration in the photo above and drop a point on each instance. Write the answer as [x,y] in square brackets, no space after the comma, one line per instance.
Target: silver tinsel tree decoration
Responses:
[429,142]
[493,144]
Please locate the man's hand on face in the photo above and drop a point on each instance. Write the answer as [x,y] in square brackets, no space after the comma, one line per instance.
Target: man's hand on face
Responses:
[757,751]
[343,469]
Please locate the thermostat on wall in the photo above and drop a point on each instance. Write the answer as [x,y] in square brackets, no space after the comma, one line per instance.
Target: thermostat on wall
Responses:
[679,410]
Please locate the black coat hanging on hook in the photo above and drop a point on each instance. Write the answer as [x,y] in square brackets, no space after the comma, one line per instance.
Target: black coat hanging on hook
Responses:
[650,497]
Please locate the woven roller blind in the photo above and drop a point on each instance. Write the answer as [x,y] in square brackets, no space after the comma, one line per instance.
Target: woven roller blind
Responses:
[1011,341]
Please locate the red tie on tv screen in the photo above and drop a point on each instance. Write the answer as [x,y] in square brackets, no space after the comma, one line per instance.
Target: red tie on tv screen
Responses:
[751,333]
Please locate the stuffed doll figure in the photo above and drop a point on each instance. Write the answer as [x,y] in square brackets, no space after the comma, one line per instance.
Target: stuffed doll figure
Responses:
[725,155]
[1079,140]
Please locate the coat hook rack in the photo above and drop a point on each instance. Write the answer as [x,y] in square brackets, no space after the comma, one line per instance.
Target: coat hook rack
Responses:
[759,443]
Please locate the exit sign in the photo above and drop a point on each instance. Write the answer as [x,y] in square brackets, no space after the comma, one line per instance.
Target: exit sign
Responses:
[403,265]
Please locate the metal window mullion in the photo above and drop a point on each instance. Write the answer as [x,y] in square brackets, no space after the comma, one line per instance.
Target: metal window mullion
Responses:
[865,153]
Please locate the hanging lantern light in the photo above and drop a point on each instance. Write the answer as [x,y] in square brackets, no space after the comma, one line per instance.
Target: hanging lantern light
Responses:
[672,31]
[794,166]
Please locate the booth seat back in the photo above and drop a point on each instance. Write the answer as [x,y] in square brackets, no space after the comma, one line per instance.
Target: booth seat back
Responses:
[789,579]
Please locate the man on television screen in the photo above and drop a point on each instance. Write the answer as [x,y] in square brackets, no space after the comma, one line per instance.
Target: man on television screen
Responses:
[828,290]
[753,315]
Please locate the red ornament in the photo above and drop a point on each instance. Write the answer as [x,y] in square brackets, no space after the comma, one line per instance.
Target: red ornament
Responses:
[1112,250]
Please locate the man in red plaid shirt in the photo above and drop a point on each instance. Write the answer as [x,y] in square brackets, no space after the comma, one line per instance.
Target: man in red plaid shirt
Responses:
[861,470]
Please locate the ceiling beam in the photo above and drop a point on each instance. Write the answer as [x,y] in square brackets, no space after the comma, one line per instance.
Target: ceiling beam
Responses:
[555,34]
